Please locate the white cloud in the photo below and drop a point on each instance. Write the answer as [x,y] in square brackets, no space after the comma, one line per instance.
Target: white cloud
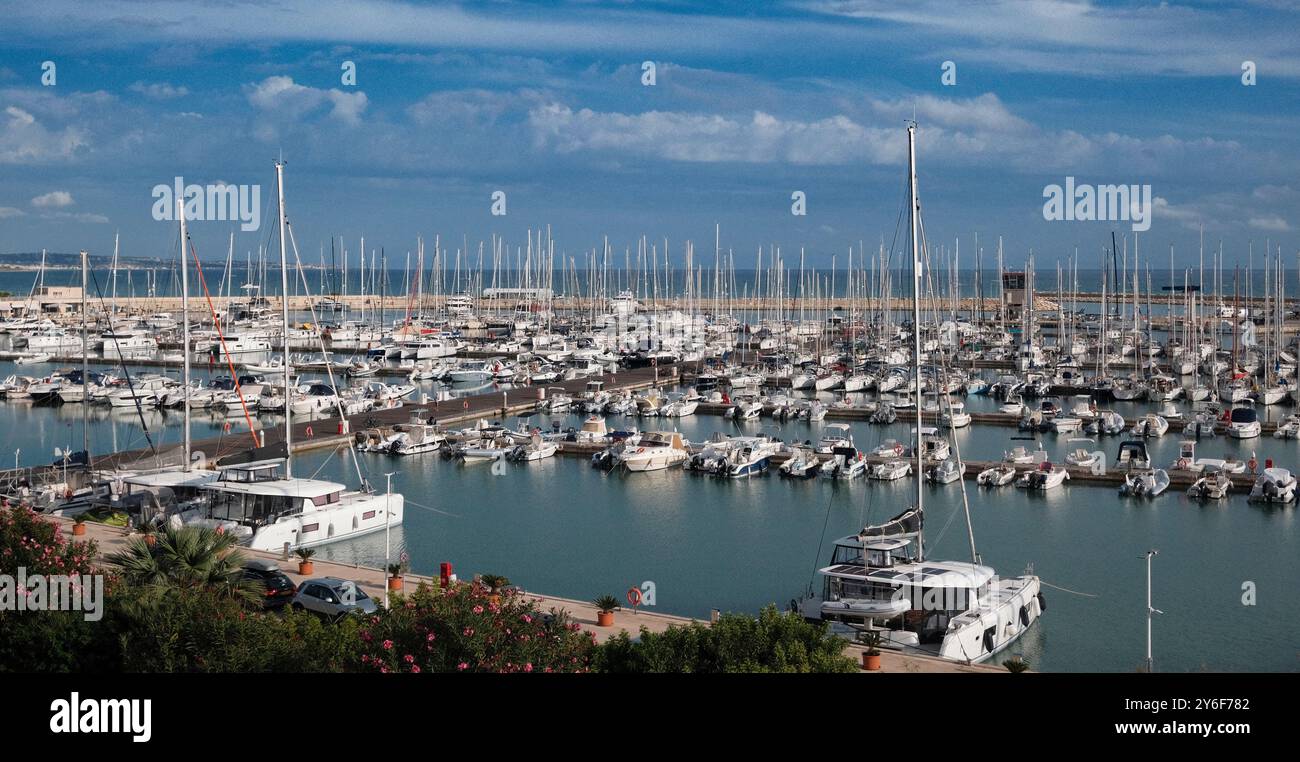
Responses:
[1272,223]
[160,90]
[89,217]
[53,199]
[280,94]
[25,140]
[8,211]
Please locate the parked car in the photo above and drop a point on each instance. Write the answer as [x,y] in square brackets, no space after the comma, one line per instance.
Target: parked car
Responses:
[279,588]
[333,598]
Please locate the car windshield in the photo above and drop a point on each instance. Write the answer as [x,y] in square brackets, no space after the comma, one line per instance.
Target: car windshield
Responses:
[358,594]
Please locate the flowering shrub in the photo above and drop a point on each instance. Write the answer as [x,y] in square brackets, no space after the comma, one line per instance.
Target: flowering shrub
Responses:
[465,628]
[772,642]
[34,542]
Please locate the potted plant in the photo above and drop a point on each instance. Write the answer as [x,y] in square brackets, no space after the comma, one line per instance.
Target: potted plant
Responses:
[871,657]
[79,526]
[1016,665]
[305,565]
[395,576]
[605,605]
[150,534]
[494,583]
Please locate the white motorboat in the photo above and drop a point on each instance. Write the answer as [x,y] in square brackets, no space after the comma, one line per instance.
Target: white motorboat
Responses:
[1275,485]
[1145,482]
[890,470]
[1047,476]
[845,463]
[802,464]
[1289,428]
[1150,425]
[655,451]
[1020,455]
[1214,485]
[537,449]
[946,472]
[1243,423]
[414,440]
[997,476]
[836,435]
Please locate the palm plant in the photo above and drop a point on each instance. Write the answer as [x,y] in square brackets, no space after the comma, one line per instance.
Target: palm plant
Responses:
[187,558]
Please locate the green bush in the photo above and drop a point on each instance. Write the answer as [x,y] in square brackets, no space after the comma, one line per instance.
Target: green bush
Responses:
[772,642]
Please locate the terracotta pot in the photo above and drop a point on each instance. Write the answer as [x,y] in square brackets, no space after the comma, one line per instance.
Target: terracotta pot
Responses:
[150,539]
[605,618]
[394,583]
[871,662]
[78,529]
[306,567]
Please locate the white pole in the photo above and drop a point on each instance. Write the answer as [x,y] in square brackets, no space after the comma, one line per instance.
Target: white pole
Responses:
[284,302]
[185,334]
[387,513]
[1150,610]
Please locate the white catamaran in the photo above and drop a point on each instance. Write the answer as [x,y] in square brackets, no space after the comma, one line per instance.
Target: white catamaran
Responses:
[269,510]
[880,580]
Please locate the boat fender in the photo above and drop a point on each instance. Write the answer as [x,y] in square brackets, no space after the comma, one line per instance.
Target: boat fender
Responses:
[1251,464]
[1024,616]
[465,404]
[1042,603]
[310,433]
[988,640]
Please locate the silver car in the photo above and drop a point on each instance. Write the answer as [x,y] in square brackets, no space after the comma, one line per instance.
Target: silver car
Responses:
[332,598]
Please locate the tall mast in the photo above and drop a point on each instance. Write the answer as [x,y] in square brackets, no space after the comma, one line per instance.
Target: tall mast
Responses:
[85,362]
[284,309]
[185,335]
[916,321]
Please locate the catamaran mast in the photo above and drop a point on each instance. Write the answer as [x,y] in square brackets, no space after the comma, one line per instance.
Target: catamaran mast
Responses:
[185,335]
[916,322]
[85,364]
[284,309]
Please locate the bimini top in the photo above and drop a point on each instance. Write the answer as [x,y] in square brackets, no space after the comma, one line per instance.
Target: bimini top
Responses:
[263,478]
[1244,415]
[193,478]
[950,574]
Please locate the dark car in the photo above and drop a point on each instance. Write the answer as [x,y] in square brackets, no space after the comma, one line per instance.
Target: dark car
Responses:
[279,588]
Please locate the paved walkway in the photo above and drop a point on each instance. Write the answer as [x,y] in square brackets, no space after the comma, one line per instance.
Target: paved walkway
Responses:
[113,539]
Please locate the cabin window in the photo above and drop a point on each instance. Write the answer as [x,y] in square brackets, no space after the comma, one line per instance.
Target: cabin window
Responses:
[332,497]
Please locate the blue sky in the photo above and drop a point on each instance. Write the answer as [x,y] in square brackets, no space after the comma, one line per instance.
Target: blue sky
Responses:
[753,101]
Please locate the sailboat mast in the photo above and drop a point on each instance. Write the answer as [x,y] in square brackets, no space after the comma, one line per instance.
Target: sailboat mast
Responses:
[916,322]
[185,336]
[85,363]
[284,310]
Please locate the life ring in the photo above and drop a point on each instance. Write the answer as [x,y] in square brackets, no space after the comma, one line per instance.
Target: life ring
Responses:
[465,404]
[1252,464]
[310,433]
[226,428]
[634,596]
[898,449]
[1182,463]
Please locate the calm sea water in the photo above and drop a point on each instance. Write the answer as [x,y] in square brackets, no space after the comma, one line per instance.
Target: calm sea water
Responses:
[562,528]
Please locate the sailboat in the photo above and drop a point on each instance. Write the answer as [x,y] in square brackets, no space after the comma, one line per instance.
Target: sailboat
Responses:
[881,582]
[270,510]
